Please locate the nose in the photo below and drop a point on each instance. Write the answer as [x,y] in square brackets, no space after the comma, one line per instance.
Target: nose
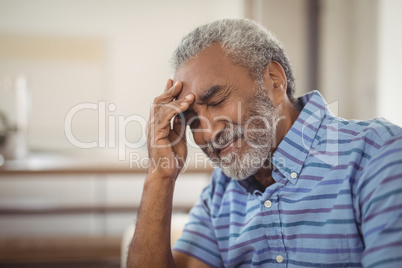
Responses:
[207,128]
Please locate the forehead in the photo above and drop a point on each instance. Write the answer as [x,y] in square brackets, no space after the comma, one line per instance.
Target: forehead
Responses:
[209,68]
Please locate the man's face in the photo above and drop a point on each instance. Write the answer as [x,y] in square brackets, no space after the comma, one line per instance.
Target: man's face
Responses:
[232,119]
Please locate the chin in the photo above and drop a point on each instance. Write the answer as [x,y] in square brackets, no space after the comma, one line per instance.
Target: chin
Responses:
[238,174]
[238,170]
[241,165]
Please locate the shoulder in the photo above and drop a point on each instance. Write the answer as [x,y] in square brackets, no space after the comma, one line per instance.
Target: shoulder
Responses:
[379,130]
[377,140]
[382,171]
[389,138]
[358,141]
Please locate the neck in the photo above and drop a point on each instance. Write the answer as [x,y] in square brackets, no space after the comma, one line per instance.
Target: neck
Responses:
[264,178]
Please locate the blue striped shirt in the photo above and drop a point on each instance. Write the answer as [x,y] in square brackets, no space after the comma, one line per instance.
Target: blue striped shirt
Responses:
[337,200]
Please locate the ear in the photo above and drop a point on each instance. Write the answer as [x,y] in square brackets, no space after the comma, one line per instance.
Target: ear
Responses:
[275,82]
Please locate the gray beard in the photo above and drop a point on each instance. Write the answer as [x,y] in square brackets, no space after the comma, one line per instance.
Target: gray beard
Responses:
[259,137]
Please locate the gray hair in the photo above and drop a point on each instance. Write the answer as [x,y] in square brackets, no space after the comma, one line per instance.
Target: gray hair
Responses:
[245,42]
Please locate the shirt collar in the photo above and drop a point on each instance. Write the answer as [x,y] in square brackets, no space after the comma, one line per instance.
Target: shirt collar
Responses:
[291,153]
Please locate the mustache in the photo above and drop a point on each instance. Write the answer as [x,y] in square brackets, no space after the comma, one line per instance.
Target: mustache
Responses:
[223,138]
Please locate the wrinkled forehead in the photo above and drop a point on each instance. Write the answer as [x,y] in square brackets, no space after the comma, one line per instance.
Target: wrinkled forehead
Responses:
[209,68]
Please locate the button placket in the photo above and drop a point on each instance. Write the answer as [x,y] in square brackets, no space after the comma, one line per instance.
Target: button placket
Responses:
[273,220]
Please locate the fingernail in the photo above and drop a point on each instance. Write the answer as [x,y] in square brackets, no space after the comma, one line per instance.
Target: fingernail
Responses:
[188,97]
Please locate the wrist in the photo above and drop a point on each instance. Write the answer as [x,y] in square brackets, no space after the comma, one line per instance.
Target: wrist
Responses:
[162,173]
[162,188]
[160,178]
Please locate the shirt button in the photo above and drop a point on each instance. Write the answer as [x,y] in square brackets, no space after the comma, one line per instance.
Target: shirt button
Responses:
[293,175]
[279,258]
[268,204]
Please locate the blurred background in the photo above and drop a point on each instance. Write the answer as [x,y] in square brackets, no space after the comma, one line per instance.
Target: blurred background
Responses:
[76,82]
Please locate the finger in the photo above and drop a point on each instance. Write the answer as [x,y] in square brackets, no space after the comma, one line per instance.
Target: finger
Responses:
[168,111]
[171,91]
[178,137]
[179,147]
[170,94]
[160,125]
[169,84]
[179,125]
[158,101]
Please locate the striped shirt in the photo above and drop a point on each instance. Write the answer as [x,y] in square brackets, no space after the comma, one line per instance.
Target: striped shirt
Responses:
[337,200]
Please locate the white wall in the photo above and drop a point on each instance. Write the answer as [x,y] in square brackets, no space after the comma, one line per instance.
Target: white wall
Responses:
[347,56]
[390,60]
[288,20]
[360,57]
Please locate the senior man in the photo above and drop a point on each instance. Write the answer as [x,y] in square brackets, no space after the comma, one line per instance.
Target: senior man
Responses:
[297,186]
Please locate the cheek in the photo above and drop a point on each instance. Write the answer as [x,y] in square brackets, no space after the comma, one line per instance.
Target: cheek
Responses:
[198,138]
[232,114]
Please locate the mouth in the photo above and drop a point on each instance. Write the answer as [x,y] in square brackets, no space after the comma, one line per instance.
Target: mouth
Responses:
[228,147]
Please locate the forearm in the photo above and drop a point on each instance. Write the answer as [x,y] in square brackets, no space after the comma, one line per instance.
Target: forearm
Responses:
[150,246]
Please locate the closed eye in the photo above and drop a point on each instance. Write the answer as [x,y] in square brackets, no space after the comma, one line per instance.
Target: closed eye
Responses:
[217,94]
[218,102]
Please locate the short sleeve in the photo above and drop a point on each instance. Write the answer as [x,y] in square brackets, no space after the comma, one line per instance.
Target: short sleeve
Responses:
[379,191]
[198,238]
